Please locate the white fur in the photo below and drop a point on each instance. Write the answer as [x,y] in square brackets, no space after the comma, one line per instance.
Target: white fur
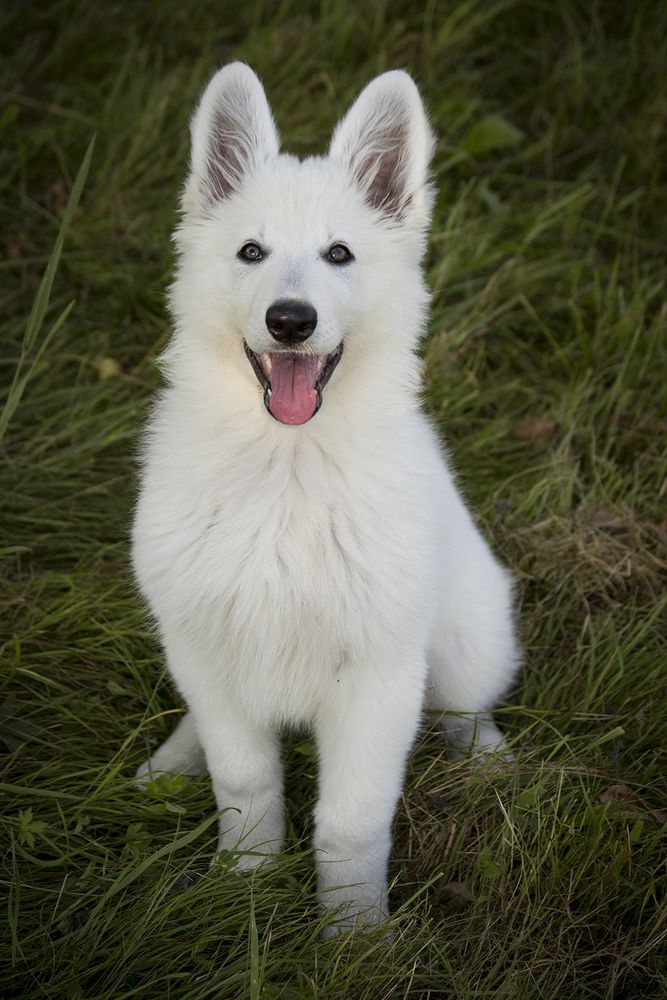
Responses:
[329,574]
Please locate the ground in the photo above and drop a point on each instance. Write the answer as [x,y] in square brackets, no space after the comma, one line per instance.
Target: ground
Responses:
[545,370]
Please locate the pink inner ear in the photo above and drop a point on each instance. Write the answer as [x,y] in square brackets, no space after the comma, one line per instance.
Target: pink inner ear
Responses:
[381,170]
[228,152]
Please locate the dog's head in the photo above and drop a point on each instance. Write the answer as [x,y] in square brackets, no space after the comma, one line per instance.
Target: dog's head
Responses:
[290,267]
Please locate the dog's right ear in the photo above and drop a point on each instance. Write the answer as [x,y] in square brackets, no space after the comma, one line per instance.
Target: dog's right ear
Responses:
[232,133]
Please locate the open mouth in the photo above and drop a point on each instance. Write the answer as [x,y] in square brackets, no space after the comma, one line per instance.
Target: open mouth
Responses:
[293,381]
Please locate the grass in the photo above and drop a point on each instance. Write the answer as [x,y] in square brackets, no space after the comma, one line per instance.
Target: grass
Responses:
[546,368]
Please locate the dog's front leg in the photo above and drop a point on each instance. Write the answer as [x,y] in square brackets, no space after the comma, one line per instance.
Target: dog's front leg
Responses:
[244,763]
[364,733]
[242,757]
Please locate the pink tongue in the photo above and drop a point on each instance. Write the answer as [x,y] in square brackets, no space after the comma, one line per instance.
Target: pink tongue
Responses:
[293,398]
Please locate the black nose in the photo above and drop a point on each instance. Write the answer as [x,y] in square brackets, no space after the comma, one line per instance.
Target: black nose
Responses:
[291,321]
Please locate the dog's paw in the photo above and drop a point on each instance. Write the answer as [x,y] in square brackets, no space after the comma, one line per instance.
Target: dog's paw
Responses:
[352,908]
[365,922]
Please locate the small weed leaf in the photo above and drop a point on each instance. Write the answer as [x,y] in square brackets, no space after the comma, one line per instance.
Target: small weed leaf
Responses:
[173,807]
[165,785]
[636,830]
[491,134]
[305,748]
[137,838]
[82,822]
[29,828]
[487,865]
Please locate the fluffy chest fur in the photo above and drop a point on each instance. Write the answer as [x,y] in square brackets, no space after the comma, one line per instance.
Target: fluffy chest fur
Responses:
[285,558]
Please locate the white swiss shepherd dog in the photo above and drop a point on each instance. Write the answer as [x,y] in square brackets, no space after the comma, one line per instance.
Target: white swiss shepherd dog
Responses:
[299,537]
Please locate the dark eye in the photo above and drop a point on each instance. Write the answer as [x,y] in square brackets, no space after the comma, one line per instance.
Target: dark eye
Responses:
[251,252]
[339,254]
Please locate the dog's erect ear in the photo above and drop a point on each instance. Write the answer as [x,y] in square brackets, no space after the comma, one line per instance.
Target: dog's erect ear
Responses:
[386,142]
[232,133]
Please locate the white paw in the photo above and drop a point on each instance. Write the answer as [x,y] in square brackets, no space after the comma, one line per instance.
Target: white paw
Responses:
[363,920]
[355,907]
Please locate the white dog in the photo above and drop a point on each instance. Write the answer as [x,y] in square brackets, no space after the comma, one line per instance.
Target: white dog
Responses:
[299,537]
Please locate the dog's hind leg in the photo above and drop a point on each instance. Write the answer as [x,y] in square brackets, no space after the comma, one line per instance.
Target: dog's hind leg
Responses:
[474,653]
[181,754]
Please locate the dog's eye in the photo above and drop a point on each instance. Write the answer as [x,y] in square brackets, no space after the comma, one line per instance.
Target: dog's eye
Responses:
[252,252]
[339,254]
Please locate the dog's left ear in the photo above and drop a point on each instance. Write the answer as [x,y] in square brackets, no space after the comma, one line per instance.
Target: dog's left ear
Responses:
[385,141]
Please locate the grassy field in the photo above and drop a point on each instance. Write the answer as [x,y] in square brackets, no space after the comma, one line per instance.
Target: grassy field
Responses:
[546,369]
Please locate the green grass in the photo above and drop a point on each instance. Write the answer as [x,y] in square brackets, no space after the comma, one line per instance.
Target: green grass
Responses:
[546,368]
